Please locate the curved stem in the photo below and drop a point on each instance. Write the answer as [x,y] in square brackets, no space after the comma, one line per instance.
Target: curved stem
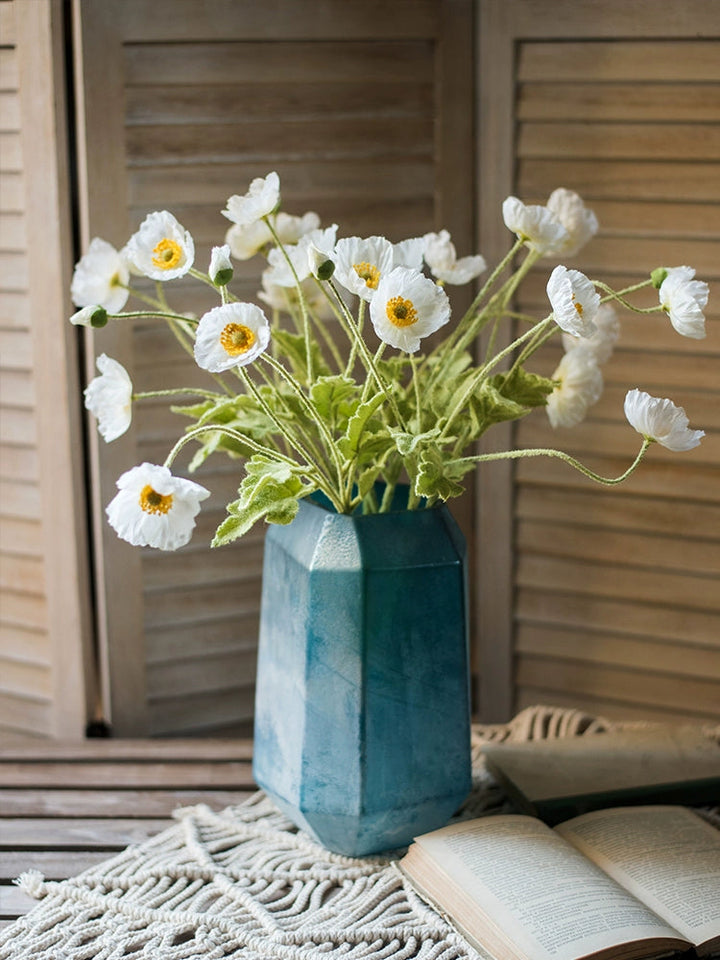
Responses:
[560,455]
[233,434]
[187,391]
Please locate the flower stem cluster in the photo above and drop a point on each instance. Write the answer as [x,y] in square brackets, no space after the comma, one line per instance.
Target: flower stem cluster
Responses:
[307,394]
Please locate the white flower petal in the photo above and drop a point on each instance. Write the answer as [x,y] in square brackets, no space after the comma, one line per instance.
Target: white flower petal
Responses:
[262,198]
[581,386]
[441,258]
[409,253]
[109,398]
[660,420]
[684,300]
[360,264]
[574,300]
[537,226]
[100,278]
[580,223]
[232,335]
[603,340]
[161,249]
[153,508]
[406,307]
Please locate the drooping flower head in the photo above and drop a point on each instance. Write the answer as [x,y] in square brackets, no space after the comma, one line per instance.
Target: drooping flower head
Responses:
[406,307]
[580,223]
[684,299]
[361,264]
[535,225]
[262,198]
[603,340]
[580,386]
[100,278]
[574,300]
[153,508]
[109,398]
[161,249]
[441,257]
[660,420]
[232,335]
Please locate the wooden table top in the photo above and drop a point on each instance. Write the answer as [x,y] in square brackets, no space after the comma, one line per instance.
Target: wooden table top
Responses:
[67,806]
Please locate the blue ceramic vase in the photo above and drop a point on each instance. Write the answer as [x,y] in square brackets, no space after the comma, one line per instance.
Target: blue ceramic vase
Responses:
[362,724]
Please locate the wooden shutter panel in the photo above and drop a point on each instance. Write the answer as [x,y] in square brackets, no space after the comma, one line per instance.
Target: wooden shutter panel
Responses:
[616,592]
[360,108]
[46,678]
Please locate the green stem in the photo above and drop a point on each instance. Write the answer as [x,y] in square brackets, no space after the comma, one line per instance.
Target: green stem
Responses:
[146,314]
[199,275]
[560,455]
[229,432]
[301,297]
[188,391]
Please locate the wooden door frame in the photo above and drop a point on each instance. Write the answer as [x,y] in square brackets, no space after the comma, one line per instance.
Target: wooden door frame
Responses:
[501,26]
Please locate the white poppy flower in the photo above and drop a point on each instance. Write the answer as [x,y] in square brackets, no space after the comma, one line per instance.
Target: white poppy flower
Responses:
[537,226]
[232,335]
[409,253]
[406,307]
[220,270]
[684,299]
[581,385]
[441,257]
[161,249]
[101,277]
[660,420]
[603,340]
[280,273]
[262,198]
[290,228]
[109,398]
[360,264]
[245,242]
[580,222]
[155,509]
[574,300]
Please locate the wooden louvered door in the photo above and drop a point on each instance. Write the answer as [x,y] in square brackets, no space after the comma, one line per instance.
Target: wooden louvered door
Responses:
[365,111]
[612,596]
[46,677]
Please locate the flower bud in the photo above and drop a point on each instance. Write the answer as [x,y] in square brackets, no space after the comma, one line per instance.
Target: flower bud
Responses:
[657,276]
[321,264]
[93,316]
[221,268]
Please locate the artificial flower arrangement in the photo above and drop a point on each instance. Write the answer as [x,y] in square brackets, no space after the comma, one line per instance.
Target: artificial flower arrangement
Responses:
[310,411]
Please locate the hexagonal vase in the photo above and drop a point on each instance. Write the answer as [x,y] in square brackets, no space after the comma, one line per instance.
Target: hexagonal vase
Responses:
[362,725]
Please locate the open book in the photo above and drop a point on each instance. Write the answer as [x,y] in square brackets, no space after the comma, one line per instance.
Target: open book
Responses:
[566,776]
[617,884]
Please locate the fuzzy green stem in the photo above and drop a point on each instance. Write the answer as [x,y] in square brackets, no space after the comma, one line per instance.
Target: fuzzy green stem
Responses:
[229,432]
[187,391]
[301,298]
[560,455]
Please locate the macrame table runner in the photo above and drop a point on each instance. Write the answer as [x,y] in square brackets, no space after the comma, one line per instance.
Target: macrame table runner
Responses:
[245,884]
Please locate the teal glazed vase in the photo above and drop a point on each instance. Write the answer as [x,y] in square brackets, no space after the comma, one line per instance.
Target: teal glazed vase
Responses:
[362,722]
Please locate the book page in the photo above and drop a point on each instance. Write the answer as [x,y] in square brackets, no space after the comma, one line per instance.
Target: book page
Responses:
[555,903]
[667,856]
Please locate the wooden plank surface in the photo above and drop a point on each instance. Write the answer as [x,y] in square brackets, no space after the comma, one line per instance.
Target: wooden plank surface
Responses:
[68,806]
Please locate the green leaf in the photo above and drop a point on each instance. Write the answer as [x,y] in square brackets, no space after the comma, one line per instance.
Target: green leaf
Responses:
[195,410]
[408,443]
[335,399]
[489,406]
[292,346]
[359,423]
[435,477]
[525,388]
[270,489]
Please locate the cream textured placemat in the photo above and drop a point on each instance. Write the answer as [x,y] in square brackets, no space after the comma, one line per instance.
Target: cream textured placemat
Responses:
[244,883]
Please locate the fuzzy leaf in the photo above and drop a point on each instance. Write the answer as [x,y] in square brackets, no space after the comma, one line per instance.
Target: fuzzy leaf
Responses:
[525,388]
[489,406]
[358,423]
[407,443]
[436,478]
[335,399]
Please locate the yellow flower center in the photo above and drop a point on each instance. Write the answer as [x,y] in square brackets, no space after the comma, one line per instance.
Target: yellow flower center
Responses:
[167,254]
[153,502]
[578,306]
[236,338]
[401,312]
[369,273]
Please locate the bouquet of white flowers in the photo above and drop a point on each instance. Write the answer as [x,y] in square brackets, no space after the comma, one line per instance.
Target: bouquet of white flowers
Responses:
[310,409]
